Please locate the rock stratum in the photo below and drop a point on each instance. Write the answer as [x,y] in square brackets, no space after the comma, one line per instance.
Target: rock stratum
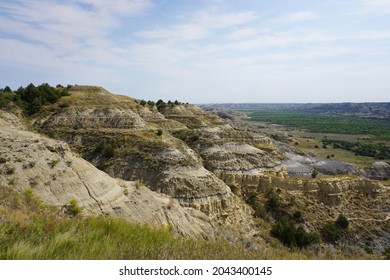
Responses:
[177,165]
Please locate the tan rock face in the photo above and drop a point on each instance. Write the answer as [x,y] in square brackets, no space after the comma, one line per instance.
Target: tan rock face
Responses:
[237,157]
[164,163]
[84,118]
[189,197]
[327,190]
[191,116]
[55,174]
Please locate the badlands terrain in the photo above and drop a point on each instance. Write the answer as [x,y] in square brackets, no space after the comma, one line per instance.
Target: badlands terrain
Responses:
[205,177]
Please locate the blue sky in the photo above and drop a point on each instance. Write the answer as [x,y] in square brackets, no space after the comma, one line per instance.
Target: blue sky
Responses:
[202,51]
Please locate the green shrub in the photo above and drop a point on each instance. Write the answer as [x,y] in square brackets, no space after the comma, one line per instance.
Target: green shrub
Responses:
[51,134]
[254,201]
[314,173]
[159,132]
[330,232]
[73,209]
[290,235]
[5,100]
[284,230]
[187,136]
[107,149]
[297,216]
[304,239]
[342,222]
[273,203]
[160,104]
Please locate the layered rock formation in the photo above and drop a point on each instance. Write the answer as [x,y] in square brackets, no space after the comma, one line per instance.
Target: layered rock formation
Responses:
[173,164]
[57,176]
[141,148]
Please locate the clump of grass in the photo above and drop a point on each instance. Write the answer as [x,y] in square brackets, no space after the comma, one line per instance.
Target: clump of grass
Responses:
[73,208]
[12,181]
[54,162]
[64,104]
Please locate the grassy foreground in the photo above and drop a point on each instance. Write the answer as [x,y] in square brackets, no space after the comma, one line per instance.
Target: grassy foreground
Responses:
[31,230]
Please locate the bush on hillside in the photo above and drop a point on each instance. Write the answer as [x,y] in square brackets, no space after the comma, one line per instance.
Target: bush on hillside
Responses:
[290,235]
[333,231]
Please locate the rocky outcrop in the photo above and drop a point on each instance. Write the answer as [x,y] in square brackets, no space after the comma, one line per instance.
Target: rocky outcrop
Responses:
[137,153]
[299,164]
[326,190]
[98,118]
[378,171]
[233,156]
[57,176]
[191,116]
[152,115]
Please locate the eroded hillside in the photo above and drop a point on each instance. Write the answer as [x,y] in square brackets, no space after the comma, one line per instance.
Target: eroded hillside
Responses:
[175,164]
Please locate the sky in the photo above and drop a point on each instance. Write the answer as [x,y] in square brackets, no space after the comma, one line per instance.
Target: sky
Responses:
[198,51]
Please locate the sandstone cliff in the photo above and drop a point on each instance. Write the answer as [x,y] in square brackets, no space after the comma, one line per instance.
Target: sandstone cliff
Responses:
[57,175]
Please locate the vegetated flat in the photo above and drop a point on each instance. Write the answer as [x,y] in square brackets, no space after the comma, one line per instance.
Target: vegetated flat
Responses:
[358,133]
[327,123]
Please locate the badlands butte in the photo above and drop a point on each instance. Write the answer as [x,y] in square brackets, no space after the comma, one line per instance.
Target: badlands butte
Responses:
[207,178]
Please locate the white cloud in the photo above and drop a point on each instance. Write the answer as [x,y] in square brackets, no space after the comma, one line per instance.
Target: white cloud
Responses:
[380,6]
[186,32]
[44,65]
[242,33]
[60,32]
[301,16]
[65,25]
[200,26]
[220,21]
[119,7]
